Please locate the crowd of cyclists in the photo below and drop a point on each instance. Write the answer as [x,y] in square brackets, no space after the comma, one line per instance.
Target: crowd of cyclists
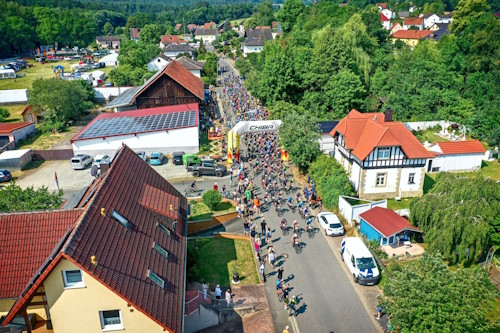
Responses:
[264,166]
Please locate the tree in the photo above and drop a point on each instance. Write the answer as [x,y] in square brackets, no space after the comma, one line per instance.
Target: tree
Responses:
[289,13]
[467,12]
[331,180]
[4,114]
[263,14]
[281,109]
[426,296]
[456,216]
[61,100]
[151,33]
[345,92]
[107,29]
[13,198]
[137,54]
[300,136]
[212,198]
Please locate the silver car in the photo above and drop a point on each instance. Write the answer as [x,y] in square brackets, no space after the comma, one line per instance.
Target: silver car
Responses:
[81,161]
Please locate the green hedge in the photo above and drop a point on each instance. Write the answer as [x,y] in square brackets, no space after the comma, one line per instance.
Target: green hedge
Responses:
[331,180]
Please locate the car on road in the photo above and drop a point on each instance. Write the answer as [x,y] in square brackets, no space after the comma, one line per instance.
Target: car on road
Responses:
[177,158]
[359,261]
[5,175]
[208,168]
[190,159]
[156,158]
[81,161]
[331,224]
[101,159]
[142,155]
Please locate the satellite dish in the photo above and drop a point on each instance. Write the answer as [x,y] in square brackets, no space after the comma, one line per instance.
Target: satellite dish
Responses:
[94,170]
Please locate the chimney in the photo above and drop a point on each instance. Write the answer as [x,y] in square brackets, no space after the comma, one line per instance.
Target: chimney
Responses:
[388,115]
[104,167]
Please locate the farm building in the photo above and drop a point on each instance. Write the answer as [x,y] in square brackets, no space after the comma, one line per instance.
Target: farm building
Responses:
[170,86]
[164,129]
[456,156]
[30,114]
[15,132]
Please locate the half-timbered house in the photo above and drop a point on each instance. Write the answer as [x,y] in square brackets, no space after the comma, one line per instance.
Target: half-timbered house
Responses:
[382,158]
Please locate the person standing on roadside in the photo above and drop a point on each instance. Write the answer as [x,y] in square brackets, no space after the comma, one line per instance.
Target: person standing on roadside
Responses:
[263,225]
[280,272]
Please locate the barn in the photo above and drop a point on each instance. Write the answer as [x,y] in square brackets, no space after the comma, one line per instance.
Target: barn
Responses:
[172,85]
[164,129]
[456,156]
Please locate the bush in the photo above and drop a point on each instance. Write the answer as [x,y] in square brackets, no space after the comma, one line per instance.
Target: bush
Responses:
[212,198]
[193,271]
[4,114]
[331,180]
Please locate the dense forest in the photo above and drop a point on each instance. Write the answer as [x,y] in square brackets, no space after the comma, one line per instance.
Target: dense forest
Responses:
[332,59]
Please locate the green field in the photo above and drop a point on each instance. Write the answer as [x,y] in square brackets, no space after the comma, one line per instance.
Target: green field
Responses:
[15,112]
[200,211]
[39,71]
[218,256]
[488,169]
[429,136]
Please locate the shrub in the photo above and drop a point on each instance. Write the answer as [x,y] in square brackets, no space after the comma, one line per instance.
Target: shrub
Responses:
[193,271]
[4,114]
[212,198]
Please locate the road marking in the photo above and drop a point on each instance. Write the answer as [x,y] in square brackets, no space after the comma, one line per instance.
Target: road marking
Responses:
[295,327]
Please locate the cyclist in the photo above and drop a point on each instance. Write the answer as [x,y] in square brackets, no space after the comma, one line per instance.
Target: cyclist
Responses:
[309,222]
[295,225]
[193,186]
[283,223]
[295,240]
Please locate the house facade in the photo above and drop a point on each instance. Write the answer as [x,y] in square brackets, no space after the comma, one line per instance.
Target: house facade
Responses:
[206,35]
[413,22]
[108,42]
[252,45]
[159,62]
[174,50]
[382,158]
[411,37]
[169,39]
[386,22]
[453,156]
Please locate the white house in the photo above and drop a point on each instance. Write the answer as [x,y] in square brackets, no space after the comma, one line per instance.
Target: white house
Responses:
[173,50]
[386,22]
[159,62]
[252,45]
[110,60]
[388,13]
[456,156]
[207,35]
[429,19]
[163,129]
[98,77]
[327,144]
[382,158]
[413,22]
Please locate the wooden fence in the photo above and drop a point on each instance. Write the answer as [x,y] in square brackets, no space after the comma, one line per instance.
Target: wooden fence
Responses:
[52,155]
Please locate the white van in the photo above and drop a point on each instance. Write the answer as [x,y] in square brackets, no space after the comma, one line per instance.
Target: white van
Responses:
[360,261]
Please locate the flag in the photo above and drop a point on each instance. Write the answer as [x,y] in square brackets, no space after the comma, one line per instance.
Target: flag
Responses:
[57,182]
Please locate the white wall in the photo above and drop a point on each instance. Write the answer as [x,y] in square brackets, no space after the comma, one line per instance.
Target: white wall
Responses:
[351,213]
[252,49]
[14,96]
[355,175]
[22,133]
[390,181]
[405,173]
[183,139]
[327,143]
[196,72]
[422,125]
[459,162]
[156,64]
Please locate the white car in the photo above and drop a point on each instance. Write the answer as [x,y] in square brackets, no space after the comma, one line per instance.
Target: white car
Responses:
[331,224]
[101,159]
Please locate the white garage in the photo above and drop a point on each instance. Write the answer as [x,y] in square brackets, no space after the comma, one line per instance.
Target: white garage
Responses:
[164,129]
[456,156]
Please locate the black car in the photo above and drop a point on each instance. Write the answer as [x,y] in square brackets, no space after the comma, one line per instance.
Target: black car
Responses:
[208,168]
[177,157]
[5,175]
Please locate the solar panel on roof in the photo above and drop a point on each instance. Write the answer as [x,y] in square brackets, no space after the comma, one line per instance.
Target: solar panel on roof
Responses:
[126,125]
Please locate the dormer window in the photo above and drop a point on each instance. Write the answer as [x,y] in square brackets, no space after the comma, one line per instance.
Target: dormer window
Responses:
[383,153]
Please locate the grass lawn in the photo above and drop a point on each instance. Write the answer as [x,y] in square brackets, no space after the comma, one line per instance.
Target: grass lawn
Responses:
[429,135]
[217,259]
[200,211]
[488,169]
[15,112]
[238,21]
[46,140]
[404,203]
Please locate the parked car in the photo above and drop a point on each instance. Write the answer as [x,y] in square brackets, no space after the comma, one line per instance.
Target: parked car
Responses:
[156,158]
[5,175]
[360,261]
[81,161]
[208,168]
[101,159]
[177,158]
[331,224]
[191,159]
[142,155]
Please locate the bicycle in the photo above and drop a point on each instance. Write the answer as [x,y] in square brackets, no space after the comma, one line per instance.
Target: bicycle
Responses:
[297,247]
[189,191]
[310,231]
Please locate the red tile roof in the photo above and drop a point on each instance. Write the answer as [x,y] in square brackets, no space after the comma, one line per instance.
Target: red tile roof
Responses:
[124,255]
[363,132]
[413,21]
[26,241]
[382,5]
[170,39]
[383,17]
[141,113]
[411,34]
[7,128]
[274,24]
[386,221]
[186,79]
[461,147]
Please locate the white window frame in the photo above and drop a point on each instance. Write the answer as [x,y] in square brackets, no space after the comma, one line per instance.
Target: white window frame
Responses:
[379,150]
[68,285]
[113,327]
[385,180]
[411,178]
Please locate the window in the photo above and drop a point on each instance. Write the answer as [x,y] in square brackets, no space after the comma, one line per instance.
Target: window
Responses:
[111,320]
[156,279]
[160,250]
[381,179]
[73,279]
[383,153]
[411,178]
[163,228]
[123,221]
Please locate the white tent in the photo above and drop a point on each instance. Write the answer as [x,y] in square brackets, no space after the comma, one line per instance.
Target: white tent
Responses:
[110,59]
[7,73]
